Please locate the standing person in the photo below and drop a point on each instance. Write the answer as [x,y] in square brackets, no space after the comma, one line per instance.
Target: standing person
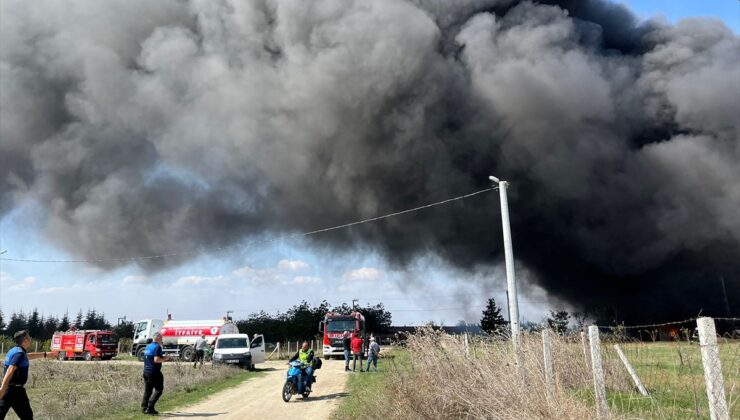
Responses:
[12,392]
[200,350]
[347,341]
[372,354]
[153,379]
[305,356]
[357,353]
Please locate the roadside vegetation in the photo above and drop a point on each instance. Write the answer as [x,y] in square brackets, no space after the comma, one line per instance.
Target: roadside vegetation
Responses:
[435,377]
[113,390]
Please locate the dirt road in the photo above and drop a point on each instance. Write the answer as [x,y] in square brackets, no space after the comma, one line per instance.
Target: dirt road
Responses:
[261,397]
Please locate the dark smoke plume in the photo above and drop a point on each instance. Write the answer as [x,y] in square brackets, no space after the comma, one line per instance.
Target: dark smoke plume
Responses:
[143,127]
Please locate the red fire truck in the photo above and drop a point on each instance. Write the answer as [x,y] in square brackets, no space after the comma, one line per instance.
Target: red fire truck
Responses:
[333,327]
[84,344]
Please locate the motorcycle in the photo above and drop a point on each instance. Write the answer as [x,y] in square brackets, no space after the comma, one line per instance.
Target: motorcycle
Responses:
[294,383]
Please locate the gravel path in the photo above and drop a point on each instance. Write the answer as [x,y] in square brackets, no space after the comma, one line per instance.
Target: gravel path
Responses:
[261,397]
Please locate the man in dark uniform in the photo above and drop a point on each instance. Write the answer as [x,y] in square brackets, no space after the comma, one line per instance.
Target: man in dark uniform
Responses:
[12,393]
[347,344]
[153,379]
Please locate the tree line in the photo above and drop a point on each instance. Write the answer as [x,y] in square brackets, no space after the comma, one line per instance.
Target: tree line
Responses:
[493,322]
[301,321]
[297,323]
[42,327]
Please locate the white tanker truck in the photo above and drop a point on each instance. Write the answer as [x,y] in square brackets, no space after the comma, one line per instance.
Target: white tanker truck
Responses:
[178,337]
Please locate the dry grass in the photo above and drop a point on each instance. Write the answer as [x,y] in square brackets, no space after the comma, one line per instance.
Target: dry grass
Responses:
[441,380]
[435,377]
[97,390]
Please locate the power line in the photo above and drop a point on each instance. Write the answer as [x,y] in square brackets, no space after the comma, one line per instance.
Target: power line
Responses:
[297,235]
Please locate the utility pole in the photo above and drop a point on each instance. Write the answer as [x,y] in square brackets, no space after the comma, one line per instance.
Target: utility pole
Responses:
[509,257]
[123,318]
[228,314]
[354,305]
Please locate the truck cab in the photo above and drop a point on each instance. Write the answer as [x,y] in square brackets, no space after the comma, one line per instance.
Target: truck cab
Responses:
[333,327]
[237,349]
[143,331]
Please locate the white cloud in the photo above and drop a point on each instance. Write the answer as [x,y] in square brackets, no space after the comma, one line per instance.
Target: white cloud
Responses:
[50,290]
[364,274]
[306,280]
[135,279]
[24,284]
[295,265]
[200,280]
[258,276]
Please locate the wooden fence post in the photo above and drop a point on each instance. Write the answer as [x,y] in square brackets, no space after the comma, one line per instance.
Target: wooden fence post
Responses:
[631,371]
[467,345]
[585,349]
[547,355]
[598,372]
[718,409]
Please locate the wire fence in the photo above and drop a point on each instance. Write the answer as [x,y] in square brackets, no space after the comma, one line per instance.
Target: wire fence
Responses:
[679,370]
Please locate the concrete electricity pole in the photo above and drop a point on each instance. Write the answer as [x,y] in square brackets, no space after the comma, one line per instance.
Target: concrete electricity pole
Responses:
[513,298]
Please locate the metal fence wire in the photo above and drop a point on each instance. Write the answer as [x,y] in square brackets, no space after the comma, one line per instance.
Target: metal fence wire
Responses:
[675,371]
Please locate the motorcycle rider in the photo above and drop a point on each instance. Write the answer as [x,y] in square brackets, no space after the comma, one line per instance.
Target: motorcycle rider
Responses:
[305,356]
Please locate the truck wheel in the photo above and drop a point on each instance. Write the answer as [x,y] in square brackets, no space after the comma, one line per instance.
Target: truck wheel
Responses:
[140,354]
[62,356]
[187,353]
[87,356]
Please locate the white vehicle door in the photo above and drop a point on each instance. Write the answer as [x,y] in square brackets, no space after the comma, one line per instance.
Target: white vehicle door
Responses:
[257,348]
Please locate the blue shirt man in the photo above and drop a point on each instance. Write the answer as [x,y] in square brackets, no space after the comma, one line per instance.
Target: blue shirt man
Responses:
[153,378]
[17,357]
[12,393]
[152,350]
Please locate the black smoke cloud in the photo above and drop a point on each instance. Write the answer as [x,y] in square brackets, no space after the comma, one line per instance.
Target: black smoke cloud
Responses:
[145,127]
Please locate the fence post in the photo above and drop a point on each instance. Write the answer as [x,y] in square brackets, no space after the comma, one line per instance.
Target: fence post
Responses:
[585,349]
[598,372]
[2,348]
[467,345]
[631,371]
[712,369]
[37,347]
[547,355]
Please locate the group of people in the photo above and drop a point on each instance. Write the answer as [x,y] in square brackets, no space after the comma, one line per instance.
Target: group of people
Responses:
[353,351]
[13,394]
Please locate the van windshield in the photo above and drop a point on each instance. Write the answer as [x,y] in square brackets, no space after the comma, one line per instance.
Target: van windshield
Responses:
[105,338]
[231,343]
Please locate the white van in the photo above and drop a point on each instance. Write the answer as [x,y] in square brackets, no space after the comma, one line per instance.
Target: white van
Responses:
[238,350]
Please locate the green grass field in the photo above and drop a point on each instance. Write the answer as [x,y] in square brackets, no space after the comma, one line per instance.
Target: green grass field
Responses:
[364,386]
[673,374]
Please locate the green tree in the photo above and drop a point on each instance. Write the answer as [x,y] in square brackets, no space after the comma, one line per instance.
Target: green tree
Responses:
[50,325]
[64,323]
[2,323]
[492,321]
[78,320]
[377,318]
[125,329]
[34,325]
[558,321]
[17,323]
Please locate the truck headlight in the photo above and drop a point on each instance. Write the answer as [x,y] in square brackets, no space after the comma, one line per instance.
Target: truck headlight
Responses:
[217,356]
